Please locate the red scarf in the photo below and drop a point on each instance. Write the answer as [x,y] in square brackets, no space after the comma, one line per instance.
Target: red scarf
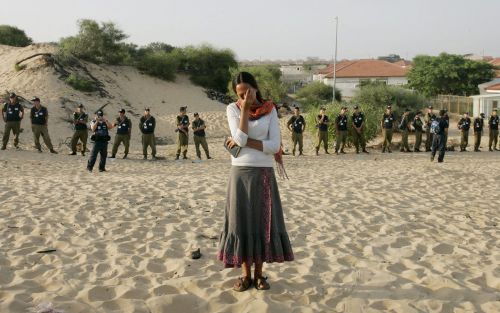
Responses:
[258,111]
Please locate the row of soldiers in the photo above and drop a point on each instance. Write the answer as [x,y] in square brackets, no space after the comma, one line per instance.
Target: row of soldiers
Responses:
[13,114]
[297,124]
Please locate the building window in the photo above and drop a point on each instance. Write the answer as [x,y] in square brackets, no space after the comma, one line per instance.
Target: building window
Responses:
[495,104]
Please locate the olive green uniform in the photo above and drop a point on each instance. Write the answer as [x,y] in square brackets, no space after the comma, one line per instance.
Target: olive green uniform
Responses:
[478,132]
[81,133]
[341,133]
[39,118]
[147,126]
[124,128]
[322,126]
[297,125]
[404,127]
[418,126]
[358,122]
[199,138]
[182,135]
[12,119]
[464,126]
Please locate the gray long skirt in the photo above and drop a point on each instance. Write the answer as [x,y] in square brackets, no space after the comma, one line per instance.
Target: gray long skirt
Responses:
[254,227]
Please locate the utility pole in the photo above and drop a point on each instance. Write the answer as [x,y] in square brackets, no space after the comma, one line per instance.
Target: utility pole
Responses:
[335,56]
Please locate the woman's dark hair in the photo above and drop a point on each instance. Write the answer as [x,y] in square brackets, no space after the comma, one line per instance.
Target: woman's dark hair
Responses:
[247,78]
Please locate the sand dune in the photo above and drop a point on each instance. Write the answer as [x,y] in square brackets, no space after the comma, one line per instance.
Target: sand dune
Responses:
[372,233]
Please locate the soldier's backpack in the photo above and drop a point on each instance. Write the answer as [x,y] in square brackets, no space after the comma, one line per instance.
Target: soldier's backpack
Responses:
[435,129]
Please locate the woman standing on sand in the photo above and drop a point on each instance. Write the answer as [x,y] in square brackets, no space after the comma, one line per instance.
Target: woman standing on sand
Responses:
[254,228]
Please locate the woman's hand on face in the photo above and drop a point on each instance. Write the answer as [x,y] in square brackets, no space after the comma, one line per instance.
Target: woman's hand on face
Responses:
[250,96]
[231,143]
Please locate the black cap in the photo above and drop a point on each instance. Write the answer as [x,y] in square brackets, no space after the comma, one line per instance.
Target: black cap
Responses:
[195,114]
[442,112]
[495,109]
[100,113]
[407,110]
[80,105]
[121,111]
[466,113]
[296,108]
[418,112]
[482,114]
[356,107]
[35,99]
[12,95]
[183,108]
[147,109]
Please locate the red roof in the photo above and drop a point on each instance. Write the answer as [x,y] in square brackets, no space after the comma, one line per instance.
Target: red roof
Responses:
[495,61]
[495,87]
[369,68]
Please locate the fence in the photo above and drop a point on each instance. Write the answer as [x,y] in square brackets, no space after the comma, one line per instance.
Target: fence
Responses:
[454,104]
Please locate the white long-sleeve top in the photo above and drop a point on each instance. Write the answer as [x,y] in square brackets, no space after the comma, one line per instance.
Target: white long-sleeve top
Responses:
[265,129]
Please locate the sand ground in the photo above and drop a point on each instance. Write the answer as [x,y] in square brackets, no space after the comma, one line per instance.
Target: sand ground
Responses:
[371,233]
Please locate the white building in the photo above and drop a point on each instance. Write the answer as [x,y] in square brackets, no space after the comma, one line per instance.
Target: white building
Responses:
[351,74]
[488,98]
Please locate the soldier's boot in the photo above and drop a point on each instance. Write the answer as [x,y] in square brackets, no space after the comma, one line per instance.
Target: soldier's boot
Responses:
[364,151]
[53,151]
[317,152]
[208,156]
[342,151]
[112,156]
[177,156]
[184,155]
[357,150]
[125,156]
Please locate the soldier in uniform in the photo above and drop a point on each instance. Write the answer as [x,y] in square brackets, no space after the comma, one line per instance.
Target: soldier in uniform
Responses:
[147,126]
[387,128]
[404,126]
[100,127]
[183,133]
[493,125]
[429,117]
[447,119]
[296,125]
[123,133]
[199,127]
[322,122]
[80,120]
[418,126]
[478,131]
[39,118]
[341,131]
[358,126]
[12,114]
[464,126]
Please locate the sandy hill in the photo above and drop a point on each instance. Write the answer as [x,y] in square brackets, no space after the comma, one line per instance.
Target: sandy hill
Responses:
[123,86]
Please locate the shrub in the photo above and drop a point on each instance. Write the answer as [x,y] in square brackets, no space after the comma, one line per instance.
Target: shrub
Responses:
[317,92]
[159,64]
[80,83]
[13,36]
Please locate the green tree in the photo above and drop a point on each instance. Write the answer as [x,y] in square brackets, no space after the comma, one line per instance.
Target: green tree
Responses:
[13,36]
[268,78]
[448,74]
[158,63]
[317,92]
[97,43]
[207,66]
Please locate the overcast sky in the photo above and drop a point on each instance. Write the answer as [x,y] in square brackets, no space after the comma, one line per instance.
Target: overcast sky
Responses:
[271,29]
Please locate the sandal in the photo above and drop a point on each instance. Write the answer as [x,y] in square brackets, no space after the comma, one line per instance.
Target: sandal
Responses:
[261,283]
[242,283]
